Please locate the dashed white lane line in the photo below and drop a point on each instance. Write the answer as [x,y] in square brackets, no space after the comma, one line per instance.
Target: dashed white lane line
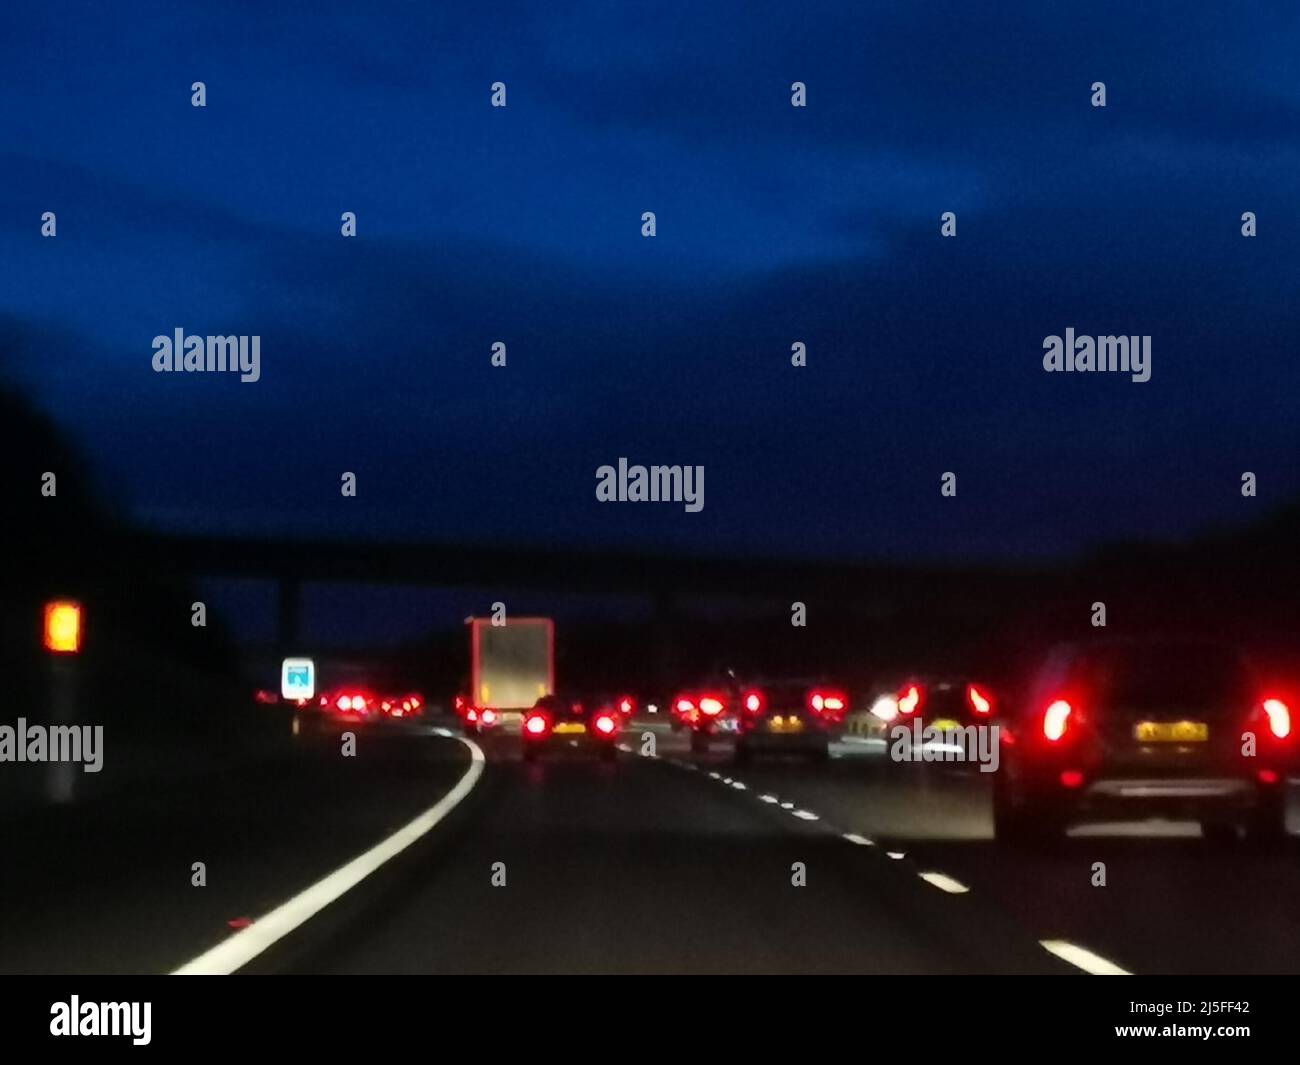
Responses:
[1076,955]
[1082,958]
[945,883]
[245,945]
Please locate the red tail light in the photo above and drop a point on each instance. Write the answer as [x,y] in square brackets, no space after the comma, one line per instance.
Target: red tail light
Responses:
[910,701]
[1279,718]
[535,724]
[979,701]
[831,704]
[1055,718]
[605,724]
[626,705]
[711,706]
[754,702]
[1071,778]
[471,714]
[344,702]
[684,705]
[488,717]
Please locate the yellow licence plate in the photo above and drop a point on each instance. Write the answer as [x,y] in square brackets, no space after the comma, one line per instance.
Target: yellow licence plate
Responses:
[946,724]
[785,724]
[568,728]
[1171,731]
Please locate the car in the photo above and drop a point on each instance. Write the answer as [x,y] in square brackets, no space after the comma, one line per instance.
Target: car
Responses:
[789,717]
[1128,730]
[945,703]
[335,710]
[942,704]
[704,710]
[557,719]
[475,719]
[402,707]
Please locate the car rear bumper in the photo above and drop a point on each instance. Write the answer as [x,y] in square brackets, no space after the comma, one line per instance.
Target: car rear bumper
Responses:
[807,740]
[561,740]
[1173,798]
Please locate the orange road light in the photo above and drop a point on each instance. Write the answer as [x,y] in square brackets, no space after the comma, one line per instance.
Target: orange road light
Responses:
[63,626]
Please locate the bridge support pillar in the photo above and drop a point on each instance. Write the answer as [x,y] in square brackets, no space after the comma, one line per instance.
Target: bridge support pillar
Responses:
[289,615]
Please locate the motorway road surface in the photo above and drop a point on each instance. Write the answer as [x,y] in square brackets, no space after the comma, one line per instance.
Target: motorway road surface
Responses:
[676,863]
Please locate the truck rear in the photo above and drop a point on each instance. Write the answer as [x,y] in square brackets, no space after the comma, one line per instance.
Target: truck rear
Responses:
[512,665]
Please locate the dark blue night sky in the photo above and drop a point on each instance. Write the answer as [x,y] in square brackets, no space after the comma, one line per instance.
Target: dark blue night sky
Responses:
[775,224]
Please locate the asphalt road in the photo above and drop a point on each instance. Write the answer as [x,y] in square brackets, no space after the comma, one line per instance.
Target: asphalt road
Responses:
[672,863]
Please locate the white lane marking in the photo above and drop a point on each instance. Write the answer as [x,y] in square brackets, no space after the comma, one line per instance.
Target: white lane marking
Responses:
[769,799]
[442,732]
[898,856]
[945,883]
[726,780]
[1082,958]
[715,776]
[805,815]
[861,841]
[625,747]
[787,806]
[246,944]
[738,785]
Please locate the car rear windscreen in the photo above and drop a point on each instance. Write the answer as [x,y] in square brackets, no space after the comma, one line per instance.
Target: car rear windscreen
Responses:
[1172,677]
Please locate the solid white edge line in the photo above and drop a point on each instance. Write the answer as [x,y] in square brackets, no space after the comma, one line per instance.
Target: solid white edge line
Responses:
[245,945]
[1082,958]
[861,841]
[944,883]
[806,815]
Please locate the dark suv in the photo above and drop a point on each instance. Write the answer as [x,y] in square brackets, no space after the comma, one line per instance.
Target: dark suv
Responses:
[788,717]
[1127,730]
